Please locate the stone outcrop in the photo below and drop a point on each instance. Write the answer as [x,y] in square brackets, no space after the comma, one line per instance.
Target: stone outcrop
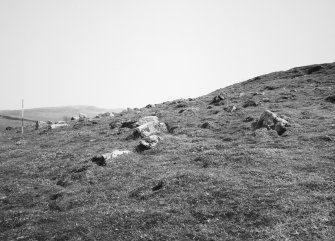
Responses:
[270,120]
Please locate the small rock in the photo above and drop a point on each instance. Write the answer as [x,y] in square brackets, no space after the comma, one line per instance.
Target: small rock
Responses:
[270,87]
[248,119]
[158,186]
[82,117]
[149,142]
[249,103]
[55,126]
[40,124]
[230,108]
[206,125]
[101,160]
[330,99]
[218,100]
[8,128]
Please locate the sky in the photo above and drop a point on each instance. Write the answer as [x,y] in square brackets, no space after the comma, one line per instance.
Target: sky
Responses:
[130,53]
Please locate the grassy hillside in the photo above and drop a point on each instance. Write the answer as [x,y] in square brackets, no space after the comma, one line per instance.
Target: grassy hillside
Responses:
[212,177]
[57,113]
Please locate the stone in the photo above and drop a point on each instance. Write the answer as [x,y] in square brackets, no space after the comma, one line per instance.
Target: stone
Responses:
[249,103]
[60,122]
[330,99]
[114,154]
[231,108]
[56,126]
[147,119]
[100,160]
[205,125]
[49,122]
[8,128]
[150,141]
[82,117]
[218,100]
[248,119]
[149,128]
[40,124]
[270,120]
[74,118]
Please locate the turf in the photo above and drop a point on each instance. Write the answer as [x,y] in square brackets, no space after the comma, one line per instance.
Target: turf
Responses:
[223,180]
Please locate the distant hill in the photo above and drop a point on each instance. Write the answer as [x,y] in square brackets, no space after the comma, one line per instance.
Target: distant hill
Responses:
[13,117]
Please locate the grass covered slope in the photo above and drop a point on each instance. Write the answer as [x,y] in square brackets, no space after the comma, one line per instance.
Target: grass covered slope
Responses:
[213,177]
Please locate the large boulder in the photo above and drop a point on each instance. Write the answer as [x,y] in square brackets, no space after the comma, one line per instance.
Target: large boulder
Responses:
[149,129]
[75,118]
[270,120]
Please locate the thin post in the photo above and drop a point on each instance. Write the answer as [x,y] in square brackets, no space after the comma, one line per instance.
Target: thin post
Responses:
[22,118]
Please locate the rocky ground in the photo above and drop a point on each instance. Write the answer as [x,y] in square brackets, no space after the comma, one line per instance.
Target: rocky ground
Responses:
[215,170]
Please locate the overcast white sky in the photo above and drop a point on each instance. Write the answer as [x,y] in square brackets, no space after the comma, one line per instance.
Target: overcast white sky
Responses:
[132,53]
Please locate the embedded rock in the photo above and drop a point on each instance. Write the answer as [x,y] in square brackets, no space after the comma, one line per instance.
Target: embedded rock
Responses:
[149,128]
[150,142]
[40,124]
[82,117]
[100,160]
[331,99]
[249,103]
[56,126]
[231,108]
[270,120]
[147,119]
